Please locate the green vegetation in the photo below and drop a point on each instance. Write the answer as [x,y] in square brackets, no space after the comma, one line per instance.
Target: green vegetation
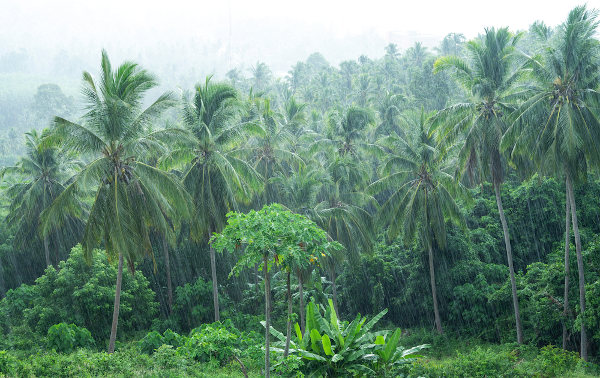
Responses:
[431,199]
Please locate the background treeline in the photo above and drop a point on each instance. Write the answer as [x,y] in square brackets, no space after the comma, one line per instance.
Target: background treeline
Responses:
[322,141]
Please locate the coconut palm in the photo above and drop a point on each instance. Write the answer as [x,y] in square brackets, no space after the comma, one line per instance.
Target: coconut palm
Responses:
[217,180]
[345,132]
[558,123]
[488,75]
[268,150]
[417,173]
[42,171]
[131,197]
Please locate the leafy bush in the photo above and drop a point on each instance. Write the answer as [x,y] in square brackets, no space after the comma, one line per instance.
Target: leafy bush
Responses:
[193,304]
[154,340]
[552,362]
[64,338]
[212,341]
[83,294]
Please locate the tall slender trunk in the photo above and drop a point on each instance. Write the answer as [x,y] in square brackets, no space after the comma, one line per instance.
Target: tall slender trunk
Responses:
[115,321]
[213,271]
[579,268]
[47,251]
[302,309]
[168,269]
[267,317]
[436,311]
[334,291]
[511,269]
[56,249]
[288,335]
[567,270]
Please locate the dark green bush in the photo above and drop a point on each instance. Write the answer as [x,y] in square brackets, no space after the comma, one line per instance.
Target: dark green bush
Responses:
[154,340]
[82,294]
[64,338]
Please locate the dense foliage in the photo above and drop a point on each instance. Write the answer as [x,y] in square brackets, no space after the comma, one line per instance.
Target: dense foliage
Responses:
[453,193]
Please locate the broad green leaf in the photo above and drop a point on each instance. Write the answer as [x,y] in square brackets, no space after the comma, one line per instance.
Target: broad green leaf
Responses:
[327,345]
[298,331]
[315,337]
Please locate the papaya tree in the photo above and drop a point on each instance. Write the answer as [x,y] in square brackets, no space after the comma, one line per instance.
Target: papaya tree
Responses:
[272,235]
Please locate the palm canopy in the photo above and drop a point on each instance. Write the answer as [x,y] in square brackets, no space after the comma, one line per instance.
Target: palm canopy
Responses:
[130,196]
[346,131]
[42,172]
[558,123]
[488,74]
[215,176]
[417,174]
[268,148]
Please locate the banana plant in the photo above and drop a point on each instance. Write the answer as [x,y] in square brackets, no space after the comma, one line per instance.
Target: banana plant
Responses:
[332,348]
[388,354]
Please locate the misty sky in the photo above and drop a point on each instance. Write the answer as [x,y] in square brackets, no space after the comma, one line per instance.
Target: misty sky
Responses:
[219,35]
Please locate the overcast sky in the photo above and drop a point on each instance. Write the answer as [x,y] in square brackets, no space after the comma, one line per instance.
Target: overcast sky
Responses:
[237,30]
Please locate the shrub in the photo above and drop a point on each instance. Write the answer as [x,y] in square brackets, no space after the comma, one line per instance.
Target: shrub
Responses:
[154,340]
[82,294]
[64,338]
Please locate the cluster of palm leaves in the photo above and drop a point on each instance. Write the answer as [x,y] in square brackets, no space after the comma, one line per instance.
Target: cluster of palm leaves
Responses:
[350,174]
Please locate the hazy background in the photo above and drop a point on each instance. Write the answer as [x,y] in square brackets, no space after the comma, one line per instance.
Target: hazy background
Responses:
[182,41]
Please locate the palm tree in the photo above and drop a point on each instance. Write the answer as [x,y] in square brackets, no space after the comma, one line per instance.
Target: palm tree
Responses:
[345,133]
[488,75]
[216,179]
[130,197]
[268,149]
[43,171]
[558,123]
[261,76]
[422,194]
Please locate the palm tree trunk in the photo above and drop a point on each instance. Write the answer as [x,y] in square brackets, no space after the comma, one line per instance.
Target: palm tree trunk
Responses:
[511,269]
[436,311]
[47,251]
[168,271]
[334,291]
[567,270]
[213,271]
[579,268]
[115,321]
[301,294]
[288,335]
[267,317]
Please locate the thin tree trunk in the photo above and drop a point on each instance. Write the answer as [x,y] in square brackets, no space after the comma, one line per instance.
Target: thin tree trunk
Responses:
[288,335]
[267,317]
[579,268]
[115,321]
[334,291]
[436,311]
[213,271]
[567,270]
[511,269]
[302,309]
[168,271]
[56,249]
[47,251]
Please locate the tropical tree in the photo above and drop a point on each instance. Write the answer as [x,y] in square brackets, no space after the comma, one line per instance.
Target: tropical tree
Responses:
[488,75]
[268,149]
[558,123]
[417,174]
[345,132]
[131,197]
[42,173]
[273,235]
[216,178]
